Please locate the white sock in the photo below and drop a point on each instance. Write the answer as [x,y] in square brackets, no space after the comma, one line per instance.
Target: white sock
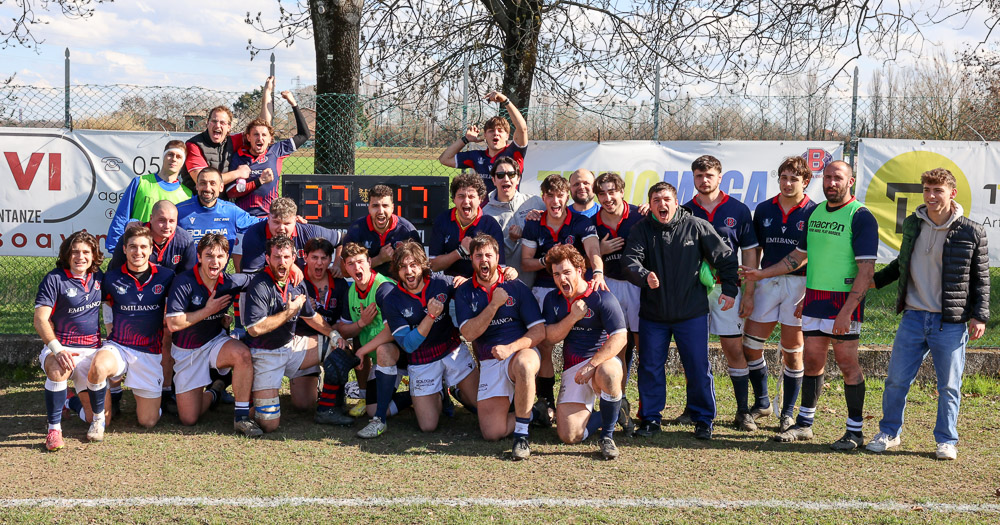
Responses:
[56,426]
[520,428]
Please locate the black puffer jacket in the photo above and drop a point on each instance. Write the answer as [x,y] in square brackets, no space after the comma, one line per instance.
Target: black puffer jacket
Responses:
[965,270]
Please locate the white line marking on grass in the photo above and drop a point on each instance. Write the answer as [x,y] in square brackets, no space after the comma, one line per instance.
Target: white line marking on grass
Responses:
[655,503]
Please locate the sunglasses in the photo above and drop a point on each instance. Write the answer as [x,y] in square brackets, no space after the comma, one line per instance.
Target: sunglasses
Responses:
[505,175]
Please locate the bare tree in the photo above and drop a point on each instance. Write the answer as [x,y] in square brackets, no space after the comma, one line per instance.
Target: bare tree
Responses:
[19,29]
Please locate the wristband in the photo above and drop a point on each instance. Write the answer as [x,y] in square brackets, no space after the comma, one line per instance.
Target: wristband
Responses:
[595,272]
[462,252]
[432,316]
[335,337]
[541,260]
[464,140]
[55,346]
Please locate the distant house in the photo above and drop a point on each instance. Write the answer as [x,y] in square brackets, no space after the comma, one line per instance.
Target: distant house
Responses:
[158,124]
[196,120]
[287,128]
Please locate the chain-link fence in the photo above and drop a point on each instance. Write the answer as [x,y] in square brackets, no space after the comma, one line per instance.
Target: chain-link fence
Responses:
[370,136]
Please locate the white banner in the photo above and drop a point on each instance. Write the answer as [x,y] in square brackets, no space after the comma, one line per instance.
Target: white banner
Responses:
[58,181]
[749,168]
[889,184]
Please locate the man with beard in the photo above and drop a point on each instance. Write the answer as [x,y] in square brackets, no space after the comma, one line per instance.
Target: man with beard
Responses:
[454,229]
[214,147]
[733,222]
[502,320]
[558,225]
[281,221]
[581,187]
[496,131]
[264,155]
[590,325]
[842,238]
[663,255]
[416,312]
[381,230]
[137,293]
[205,213]
[143,192]
[196,314]
[270,308]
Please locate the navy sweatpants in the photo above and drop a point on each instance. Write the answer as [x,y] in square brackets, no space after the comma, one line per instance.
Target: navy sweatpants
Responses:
[691,337]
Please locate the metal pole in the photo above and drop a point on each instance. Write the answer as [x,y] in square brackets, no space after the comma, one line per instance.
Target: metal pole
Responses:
[465,94]
[656,102]
[272,91]
[854,120]
[67,119]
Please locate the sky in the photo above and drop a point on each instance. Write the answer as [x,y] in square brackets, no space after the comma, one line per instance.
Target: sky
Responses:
[148,42]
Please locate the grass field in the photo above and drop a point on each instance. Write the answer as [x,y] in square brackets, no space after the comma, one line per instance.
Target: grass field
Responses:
[452,475]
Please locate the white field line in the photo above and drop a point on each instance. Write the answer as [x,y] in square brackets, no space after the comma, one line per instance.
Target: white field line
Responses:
[651,503]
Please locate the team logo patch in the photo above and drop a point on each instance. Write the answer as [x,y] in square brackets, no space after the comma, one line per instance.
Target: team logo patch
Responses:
[817,159]
[158,289]
[302,253]
[71,292]
[441,297]
[97,285]
[333,302]
[192,219]
[800,225]
[408,312]
[510,301]
[589,314]
[122,290]
[730,222]
[197,300]
[569,239]
[176,260]
[474,305]
[767,223]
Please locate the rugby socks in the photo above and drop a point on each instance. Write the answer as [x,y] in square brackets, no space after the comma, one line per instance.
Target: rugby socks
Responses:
[741,384]
[447,405]
[97,393]
[545,389]
[75,405]
[593,424]
[116,397]
[758,380]
[855,397]
[242,411]
[330,397]
[812,386]
[791,387]
[400,401]
[55,396]
[610,407]
[385,385]
[521,426]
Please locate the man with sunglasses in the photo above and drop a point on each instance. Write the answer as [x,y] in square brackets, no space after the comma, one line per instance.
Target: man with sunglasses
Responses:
[509,207]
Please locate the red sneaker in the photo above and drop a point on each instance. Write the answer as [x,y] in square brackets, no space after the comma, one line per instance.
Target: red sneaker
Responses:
[54,440]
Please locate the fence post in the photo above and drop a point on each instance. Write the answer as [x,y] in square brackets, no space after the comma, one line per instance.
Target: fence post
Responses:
[272,91]
[656,102]
[67,119]
[854,120]
[465,94]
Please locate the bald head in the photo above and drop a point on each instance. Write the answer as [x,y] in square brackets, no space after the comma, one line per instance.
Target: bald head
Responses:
[838,177]
[839,165]
[581,187]
[163,221]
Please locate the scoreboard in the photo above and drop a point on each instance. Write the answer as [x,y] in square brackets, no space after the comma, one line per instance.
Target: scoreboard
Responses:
[336,201]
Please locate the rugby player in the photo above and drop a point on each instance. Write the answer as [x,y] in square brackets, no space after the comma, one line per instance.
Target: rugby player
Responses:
[381,230]
[613,224]
[363,320]
[196,314]
[270,308]
[502,320]
[205,213]
[214,147]
[581,184]
[841,243]
[591,326]
[137,293]
[416,312]
[66,319]
[496,131]
[778,224]
[454,229]
[136,203]
[733,222]
[558,225]
[663,256]
[282,221]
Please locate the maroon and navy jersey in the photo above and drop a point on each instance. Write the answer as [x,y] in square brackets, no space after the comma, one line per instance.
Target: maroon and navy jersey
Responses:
[188,293]
[402,309]
[481,162]
[613,267]
[604,318]
[179,253]
[137,307]
[264,298]
[574,229]
[363,232]
[447,235]
[511,321]
[732,221]
[256,237]
[329,302]
[778,232]
[256,198]
[824,304]
[75,304]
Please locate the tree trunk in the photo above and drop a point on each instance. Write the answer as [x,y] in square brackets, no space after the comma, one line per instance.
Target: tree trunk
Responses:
[336,32]
[521,22]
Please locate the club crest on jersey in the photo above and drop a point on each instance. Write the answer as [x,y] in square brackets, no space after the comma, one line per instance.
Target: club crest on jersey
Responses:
[441,297]
[589,314]
[767,223]
[176,259]
[158,289]
[800,225]
[730,222]
[71,292]
[408,312]
[569,239]
[302,253]
[510,301]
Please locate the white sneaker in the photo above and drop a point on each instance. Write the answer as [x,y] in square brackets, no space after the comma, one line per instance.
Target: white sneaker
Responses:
[96,430]
[882,442]
[946,451]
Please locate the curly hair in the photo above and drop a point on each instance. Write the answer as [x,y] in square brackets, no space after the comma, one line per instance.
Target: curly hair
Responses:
[562,253]
[409,248]
[66,251]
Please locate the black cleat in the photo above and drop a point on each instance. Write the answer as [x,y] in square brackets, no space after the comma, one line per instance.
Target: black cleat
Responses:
[702,431]
[647,428]
[521,450]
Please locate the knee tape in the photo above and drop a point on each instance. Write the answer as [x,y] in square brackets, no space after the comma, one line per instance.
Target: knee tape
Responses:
[753,343]
[739,372]
[388,370]
[267,409]
[54,386]
[796,350]
[757,365]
